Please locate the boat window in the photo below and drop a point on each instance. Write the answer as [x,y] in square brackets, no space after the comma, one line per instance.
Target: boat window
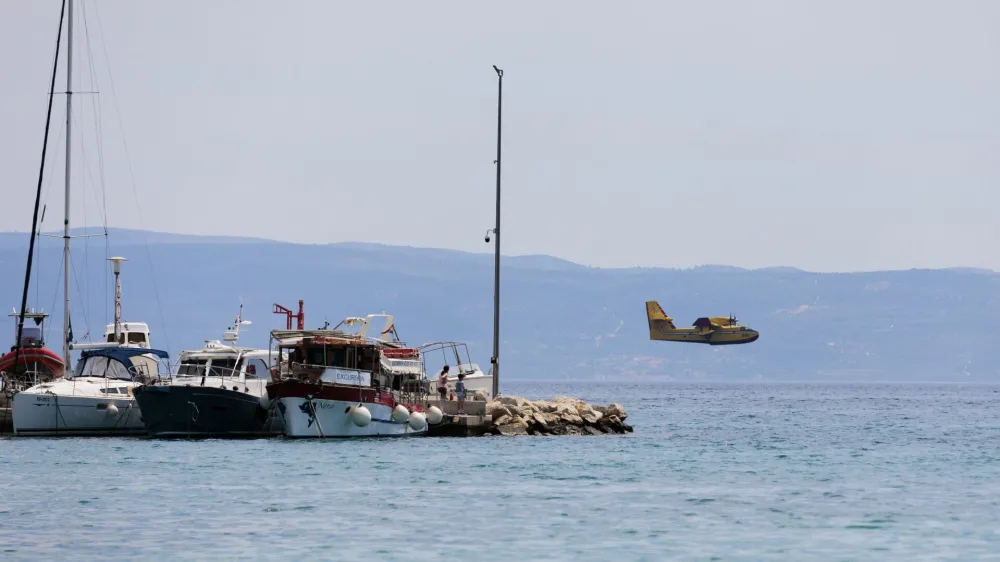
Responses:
[221,367]
[367,358]
[192,368]
[256,368]
[330,356]
[315,356]
[136,337]
[103,367]
[336,357]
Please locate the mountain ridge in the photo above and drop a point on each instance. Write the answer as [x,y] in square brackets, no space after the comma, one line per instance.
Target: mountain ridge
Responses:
[15,238]
[558,319]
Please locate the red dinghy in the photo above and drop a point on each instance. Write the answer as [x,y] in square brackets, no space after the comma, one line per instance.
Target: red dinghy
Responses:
[41,356]
[34,358]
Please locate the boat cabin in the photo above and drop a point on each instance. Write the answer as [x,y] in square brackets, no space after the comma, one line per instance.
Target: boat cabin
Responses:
[134,334]
[216,360]
[33,332]
[336,357]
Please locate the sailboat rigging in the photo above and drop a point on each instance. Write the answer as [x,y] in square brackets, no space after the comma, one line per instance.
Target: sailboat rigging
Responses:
[18,341]
[95,398]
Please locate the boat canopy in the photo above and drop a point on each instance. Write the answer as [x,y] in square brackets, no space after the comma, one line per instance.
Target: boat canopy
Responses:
[121,354]
[115,362]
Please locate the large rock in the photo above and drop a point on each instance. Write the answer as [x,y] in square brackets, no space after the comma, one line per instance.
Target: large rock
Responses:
[513,428]
[613,410]
[563,415]
[497,410]
[590,415]
[512,400]
[571,419]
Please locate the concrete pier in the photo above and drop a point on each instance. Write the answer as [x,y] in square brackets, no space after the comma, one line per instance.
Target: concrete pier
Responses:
[473,423]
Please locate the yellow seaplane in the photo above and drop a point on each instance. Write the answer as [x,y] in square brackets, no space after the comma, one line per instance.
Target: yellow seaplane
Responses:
[716,330]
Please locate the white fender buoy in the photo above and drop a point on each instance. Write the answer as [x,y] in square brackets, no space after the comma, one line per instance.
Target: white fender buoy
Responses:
[265,402]
[400,414]
[360,416]
[434,415]
[417,421]
[112,410]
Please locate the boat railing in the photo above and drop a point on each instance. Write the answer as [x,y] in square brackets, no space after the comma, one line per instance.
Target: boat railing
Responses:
[11,383]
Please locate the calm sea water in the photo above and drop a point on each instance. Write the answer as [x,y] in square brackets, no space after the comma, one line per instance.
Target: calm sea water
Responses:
[725,472]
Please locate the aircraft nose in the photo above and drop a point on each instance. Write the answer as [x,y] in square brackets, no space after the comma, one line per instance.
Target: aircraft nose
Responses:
[754,334]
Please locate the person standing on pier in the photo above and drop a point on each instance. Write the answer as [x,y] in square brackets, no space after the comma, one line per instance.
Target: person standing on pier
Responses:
[442,385]
[460,392]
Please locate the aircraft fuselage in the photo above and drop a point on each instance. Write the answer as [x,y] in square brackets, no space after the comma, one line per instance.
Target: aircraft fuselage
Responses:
[716,330]
[720,336]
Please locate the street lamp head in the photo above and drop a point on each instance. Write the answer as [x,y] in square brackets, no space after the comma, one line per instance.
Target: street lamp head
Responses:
[499,72]
[117,261]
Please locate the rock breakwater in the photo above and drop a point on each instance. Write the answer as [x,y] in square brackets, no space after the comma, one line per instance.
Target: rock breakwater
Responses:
[563,415]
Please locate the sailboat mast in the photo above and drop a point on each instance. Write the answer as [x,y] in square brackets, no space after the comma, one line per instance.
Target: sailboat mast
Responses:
[69,124]
[38,192]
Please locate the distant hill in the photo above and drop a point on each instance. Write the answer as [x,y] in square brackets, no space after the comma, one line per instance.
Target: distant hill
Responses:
[559,320]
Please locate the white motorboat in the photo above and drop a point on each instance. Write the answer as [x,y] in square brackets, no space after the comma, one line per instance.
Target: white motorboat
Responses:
[475,379]
[218,391]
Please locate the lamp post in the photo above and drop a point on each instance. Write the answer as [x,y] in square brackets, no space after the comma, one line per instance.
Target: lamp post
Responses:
[495,360]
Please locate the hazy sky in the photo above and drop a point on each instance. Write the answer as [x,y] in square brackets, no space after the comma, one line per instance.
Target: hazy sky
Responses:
[837,135]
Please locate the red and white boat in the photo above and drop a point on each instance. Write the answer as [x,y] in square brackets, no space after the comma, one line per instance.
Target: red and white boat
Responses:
[35,363]
[342,382]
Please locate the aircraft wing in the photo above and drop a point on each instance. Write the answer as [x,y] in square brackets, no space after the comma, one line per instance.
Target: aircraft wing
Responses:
[705,322]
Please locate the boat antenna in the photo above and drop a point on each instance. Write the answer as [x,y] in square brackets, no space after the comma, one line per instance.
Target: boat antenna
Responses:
[38,192]
[233,334]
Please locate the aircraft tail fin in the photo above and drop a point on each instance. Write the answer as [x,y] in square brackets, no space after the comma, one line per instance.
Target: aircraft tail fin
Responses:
[658,320]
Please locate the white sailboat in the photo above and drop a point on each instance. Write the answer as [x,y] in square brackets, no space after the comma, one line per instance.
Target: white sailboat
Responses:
[96,397]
